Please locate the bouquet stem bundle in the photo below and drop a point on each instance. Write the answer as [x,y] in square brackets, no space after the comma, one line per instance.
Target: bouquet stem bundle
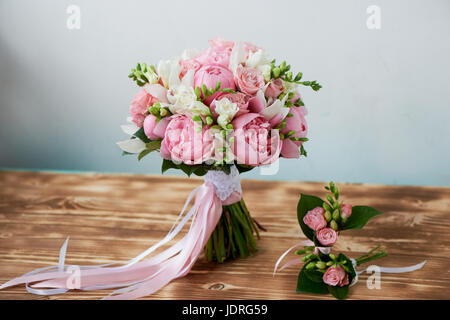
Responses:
[234,235]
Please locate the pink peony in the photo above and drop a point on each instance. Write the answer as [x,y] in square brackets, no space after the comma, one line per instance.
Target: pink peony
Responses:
[209,75]
[239,98]
[139,106]
[274,89]
[250,47]
[215,55]
[254,142]
[346,210]
[249,80]
[221,44]
[153,128]
[314,219]
[335,276]
[182,144]
[187,65]
[327,236]
[298,124]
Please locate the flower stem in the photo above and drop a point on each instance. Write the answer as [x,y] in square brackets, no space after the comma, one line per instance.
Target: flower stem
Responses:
[234,234]
[373,254]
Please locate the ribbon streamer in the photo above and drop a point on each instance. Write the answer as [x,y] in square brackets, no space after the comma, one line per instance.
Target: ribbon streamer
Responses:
[386,269]
[138,277]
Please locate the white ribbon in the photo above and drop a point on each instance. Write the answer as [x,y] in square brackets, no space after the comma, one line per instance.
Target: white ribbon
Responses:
[386,269]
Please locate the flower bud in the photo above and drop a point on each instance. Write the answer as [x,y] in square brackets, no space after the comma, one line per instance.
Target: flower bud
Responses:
[332,256]
[321,265]
[209,120]
[330,198]
[329,263]
[327,216]
[334,225]
[336,215]
[154,110]
[309,256]
[163,112]
[310,265]
[276,72]
[326,206]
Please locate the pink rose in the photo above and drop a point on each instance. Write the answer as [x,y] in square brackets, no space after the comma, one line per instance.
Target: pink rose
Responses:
[139,106]
[335,276]
[314,219]
[153,128]
[249,80]
[239,98]
[254,142]
[274,89]
[182,144]
[327,236]
[209,75]
[215,56]
[190,64]
[296,123]
[346,210]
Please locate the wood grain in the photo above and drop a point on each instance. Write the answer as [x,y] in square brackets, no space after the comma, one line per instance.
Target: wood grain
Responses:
[114,217]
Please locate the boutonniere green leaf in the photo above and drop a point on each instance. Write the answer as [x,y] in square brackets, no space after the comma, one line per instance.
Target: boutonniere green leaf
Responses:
[360,216]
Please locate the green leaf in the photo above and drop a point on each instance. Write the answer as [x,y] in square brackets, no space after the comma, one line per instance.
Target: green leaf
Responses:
[360,216]
[314,275]
[154,145]
[140,134]
[243,168]
[306,285]
[306,203]
[338,292]
[166,165]
[143,153]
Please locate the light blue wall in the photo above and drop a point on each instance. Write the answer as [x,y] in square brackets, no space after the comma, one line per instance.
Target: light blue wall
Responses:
[381,117]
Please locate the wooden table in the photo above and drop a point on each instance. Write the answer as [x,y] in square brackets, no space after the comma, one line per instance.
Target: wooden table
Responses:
[114,217]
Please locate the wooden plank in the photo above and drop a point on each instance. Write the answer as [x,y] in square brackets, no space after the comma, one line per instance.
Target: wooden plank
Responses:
[114,217]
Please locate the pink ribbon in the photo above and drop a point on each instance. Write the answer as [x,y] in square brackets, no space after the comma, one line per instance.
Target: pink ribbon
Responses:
[309,243]
[138,278]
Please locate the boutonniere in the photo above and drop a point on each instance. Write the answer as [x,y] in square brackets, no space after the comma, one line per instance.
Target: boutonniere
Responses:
[321,222]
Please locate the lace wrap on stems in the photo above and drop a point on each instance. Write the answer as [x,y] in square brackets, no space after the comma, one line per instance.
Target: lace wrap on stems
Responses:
[225,184]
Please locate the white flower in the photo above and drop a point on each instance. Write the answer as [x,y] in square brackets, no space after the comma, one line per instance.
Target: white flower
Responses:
[290,87]
[226,111]
[152,77]
[237,56]
[265,70]
[183,100]
[169,72]
[258,60]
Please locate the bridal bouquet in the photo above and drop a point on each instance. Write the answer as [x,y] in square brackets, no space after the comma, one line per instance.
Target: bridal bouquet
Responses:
[321,222]
[214,113]
[219,112]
